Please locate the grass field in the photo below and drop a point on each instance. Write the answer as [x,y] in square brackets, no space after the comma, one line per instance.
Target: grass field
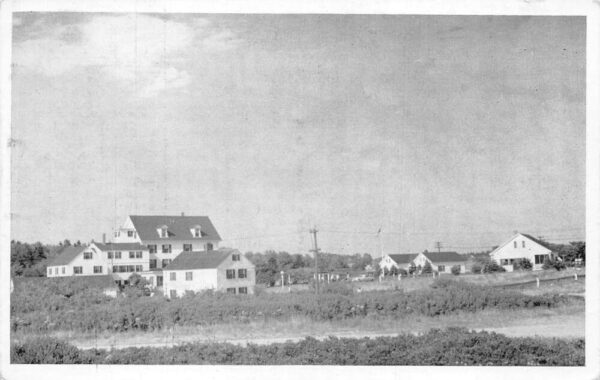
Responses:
[566,321]
[412,284]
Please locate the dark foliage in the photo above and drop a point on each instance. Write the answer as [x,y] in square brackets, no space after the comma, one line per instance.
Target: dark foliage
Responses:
[454,346]
[455,270]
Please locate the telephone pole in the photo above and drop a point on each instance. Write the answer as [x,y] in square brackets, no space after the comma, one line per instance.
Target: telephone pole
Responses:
[314,231]
[438,245]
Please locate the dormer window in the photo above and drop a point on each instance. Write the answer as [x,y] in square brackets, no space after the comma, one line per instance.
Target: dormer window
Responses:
[163,232]
[196,232]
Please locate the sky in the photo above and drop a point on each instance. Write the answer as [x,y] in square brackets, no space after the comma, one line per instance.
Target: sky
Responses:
[458,129]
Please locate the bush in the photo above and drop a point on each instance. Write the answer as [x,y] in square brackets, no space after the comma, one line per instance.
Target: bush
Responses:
[427,269]
[403,272]
[455,270]
[454,346]
[44,350]
[476,268]
[40,308]
[493,267]
[547,263]
[412,268]
[522,264]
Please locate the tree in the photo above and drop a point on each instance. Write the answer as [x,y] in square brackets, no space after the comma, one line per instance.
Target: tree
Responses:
[455,270]
[412,268]
[427,269]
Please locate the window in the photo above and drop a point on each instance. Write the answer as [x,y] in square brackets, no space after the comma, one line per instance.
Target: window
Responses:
[109,255]
[173,293]
[164,232]
[187,247]
[49,271]
[115,269]
[235,257]
[209,247]
[138,255]
[243,290]
[166,262]
[152,263]
[242,273]
[188,276]
[515,243]
[173,276]
[132,255]
[166,248]
[63,270]
[130,268]
[231,290]
[117,255]
[130,233]
[539,259]
[139,268]
[56,270]
[523,243]
[197,232]
[77,270]
[97,269]
[504,262]
[230,273]
[87,255]
[152,248]
[441,268]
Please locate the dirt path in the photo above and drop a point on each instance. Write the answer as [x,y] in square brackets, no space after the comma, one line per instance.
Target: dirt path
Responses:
[558,326]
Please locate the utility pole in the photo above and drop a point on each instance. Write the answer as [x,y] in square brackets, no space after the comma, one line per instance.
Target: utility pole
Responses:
[314,231]
[438,245]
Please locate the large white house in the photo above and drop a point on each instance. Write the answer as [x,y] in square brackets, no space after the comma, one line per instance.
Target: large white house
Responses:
[522,246]
[97,259]
[221,270]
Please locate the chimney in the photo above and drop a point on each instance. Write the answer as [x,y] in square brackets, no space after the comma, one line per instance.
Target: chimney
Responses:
[182,214]
[103,238]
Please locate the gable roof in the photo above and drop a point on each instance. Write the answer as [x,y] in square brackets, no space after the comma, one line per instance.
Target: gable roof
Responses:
[444,257]
[66,255]
[179,227]
[200,259]
[542,243]
[120,246]
[402,258]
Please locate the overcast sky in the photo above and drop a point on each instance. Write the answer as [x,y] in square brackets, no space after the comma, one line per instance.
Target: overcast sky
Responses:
[459,129]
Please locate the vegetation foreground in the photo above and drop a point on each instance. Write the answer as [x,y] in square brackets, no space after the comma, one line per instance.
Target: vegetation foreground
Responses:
[57,305]
[453,346]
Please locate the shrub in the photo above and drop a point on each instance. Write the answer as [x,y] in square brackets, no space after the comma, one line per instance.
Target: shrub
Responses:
[493,267]
[453,346]
[427,269]
[403,272]
[476,268]
[522,264]
[455,270]
[44,350]
[393,271]
[412,268]
[547,263]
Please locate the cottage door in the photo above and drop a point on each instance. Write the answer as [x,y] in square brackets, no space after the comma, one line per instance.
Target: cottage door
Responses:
[159,281]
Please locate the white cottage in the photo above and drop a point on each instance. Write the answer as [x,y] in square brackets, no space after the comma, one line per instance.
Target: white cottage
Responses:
[522,246]
[441,262]
[221,270]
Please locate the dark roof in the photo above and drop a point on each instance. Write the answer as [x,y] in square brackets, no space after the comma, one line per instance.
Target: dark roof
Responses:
[199,259]
[66,255]
[540,242]
[179,227]
[444,257]
[120,246]
[403,258]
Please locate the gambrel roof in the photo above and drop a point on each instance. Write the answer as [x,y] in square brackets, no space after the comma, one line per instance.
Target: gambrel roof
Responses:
[178,227]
